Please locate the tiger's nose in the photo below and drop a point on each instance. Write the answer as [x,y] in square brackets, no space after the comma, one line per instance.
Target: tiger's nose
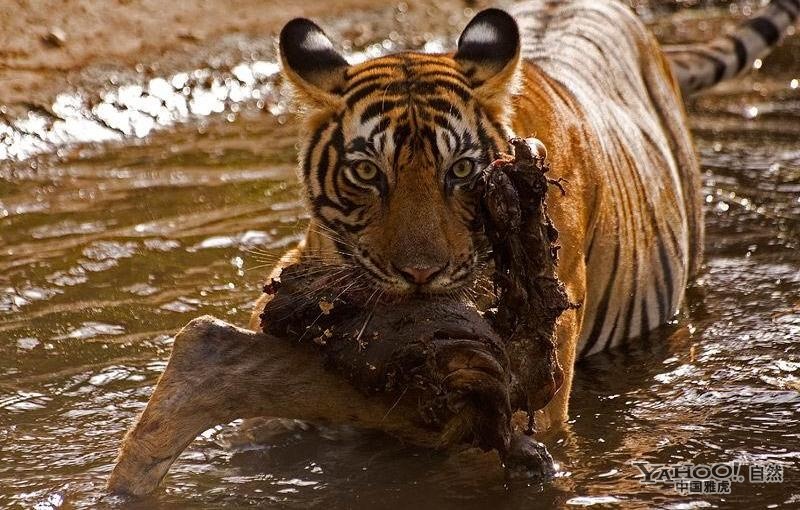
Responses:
[419,274]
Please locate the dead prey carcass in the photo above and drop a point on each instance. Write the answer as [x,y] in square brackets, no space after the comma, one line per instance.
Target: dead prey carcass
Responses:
[433,370]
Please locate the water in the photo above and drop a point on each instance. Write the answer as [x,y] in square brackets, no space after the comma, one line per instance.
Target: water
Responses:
[106,251]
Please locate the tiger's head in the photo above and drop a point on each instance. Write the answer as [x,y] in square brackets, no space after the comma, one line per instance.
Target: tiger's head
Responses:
[393,148]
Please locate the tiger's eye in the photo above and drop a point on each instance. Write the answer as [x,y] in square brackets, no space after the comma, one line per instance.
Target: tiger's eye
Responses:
[365,170]
[462,168]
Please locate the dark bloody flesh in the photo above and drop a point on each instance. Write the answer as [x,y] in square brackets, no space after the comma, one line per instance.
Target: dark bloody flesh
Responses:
[467,370]
[531,297]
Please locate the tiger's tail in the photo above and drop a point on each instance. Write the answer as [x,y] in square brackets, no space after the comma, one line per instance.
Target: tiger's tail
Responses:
[701,66]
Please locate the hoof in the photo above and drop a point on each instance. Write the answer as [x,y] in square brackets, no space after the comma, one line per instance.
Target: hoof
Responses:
[528,459]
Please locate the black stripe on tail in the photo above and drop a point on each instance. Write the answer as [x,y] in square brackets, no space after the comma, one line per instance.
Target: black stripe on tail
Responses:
[700,66]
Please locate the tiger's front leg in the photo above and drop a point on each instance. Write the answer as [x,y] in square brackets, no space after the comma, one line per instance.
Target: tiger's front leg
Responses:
[572,272]
[555,414]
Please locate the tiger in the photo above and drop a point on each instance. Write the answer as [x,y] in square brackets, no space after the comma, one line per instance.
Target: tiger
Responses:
[391,149]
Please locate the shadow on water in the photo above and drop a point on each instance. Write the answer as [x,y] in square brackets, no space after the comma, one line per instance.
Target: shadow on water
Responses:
[107,250]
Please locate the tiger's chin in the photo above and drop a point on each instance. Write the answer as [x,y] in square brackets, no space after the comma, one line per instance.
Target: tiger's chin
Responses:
[387,286]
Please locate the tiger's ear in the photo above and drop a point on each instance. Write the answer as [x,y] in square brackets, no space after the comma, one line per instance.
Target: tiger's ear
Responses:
[311,63]
[488,53]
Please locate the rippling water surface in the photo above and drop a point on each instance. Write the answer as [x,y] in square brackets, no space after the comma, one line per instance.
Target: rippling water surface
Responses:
[105,251]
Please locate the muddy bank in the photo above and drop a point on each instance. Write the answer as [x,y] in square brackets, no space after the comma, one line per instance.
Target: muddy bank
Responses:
[82,73]
[47,46]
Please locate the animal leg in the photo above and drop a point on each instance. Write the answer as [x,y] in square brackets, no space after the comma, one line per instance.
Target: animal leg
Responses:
[217,373]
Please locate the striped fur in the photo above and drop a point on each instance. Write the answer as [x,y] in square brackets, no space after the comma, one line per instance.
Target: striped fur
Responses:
[586,78]
[644,240]
[643,237]
[410,118]
[700,66]
[396,110]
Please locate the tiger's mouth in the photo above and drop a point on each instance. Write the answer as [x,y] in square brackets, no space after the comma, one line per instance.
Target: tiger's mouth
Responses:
[450,279]
[444,285]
